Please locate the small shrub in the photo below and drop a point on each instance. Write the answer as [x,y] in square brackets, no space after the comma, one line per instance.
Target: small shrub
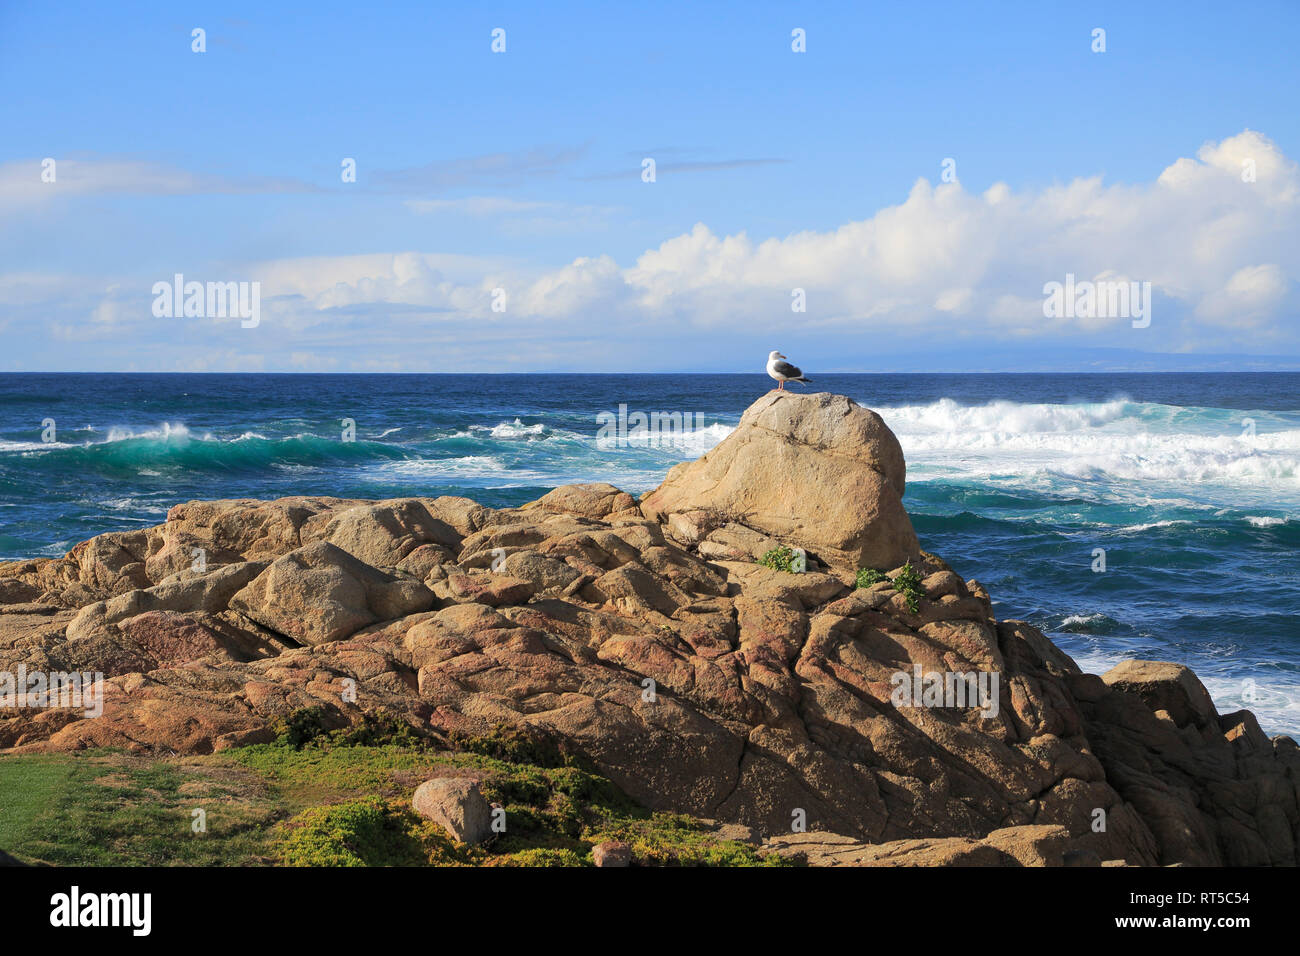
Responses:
[870,576]
[356,833]
[545,856]
[302,727]
[782,558]
[378,729]
[515,745]
[319,727]
[908,582]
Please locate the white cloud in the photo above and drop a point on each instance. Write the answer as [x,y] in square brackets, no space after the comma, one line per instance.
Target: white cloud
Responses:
[1222,254]
[1249,297]
[1198,233]
[26,182]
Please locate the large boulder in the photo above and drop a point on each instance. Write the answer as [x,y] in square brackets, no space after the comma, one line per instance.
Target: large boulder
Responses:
[818,471]
[456,805]
[1170,688]
[321,593]
[597,500]
[383,534]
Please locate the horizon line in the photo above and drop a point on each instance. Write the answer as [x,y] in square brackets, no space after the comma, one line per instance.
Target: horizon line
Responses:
[680,374]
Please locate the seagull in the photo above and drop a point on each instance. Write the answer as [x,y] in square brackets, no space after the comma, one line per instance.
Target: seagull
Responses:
[783,371]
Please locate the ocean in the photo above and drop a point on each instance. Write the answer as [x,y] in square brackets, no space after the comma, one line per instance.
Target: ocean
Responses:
[1187,486]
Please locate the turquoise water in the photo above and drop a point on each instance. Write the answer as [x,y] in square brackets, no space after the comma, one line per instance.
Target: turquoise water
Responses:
[1189,482]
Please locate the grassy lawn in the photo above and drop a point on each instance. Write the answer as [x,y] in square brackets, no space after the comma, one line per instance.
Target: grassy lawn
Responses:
[27,786]
[106,808]
[329,799]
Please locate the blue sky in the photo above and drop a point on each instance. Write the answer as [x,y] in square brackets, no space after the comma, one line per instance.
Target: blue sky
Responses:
[521,171]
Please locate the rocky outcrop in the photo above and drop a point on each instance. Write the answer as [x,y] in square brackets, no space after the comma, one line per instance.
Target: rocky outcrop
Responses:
[320,593]
[1014,846]
[1213,789]
[818,471]
[843,724]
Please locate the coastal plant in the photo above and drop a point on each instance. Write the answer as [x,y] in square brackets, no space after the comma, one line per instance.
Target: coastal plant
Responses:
[908,582]
[317,727]
[781,558]
[365,832]
[870,576]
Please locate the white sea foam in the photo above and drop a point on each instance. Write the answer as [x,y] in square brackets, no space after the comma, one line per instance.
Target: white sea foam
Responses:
[1076,619]
[490,471]
[1130,446]
[1264,521]
[32,445]
[167,431]
[1135,528]
[687,443]
[1002,417]
[515,429]
[1274,698]
[697,441]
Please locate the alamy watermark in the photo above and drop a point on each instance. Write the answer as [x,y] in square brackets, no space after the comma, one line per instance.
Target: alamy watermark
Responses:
[1098,299]
[211,300]
[645,430]
[951,689]
[82,691]
[133,911]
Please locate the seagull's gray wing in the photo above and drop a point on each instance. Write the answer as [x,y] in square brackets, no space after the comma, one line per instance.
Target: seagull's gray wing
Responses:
[786,369]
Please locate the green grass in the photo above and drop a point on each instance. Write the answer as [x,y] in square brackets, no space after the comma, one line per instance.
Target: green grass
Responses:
[109,809]
[27,785]
[320,797]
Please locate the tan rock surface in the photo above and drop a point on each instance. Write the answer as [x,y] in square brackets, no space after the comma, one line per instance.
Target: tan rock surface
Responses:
[816,470]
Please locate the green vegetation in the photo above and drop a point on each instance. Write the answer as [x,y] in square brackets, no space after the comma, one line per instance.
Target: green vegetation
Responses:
[110,809]
[869,576]
[783,558]
[334,797]
[907,582]
[26,787]
[364,832]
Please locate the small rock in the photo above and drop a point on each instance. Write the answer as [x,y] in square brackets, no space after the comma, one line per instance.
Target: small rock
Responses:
[612,853]
[456,805]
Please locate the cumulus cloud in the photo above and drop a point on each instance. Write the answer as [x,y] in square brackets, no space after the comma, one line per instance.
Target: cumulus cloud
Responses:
[1202,233]
[1218,245]
[1217,236]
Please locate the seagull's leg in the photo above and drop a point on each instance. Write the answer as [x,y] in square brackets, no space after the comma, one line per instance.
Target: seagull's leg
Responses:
[780,386]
